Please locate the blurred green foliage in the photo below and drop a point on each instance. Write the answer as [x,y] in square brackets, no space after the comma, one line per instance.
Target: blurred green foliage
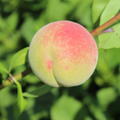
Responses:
[97,99]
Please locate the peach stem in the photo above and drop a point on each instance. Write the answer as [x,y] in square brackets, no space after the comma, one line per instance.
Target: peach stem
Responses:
[100,29]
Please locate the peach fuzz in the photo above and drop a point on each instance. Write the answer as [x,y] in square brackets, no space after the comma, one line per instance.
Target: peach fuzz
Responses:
[63,53]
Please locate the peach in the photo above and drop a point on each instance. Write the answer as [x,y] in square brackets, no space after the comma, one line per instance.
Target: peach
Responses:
[63,53]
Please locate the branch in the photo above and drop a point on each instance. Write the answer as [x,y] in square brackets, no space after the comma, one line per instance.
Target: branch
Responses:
[101,28]
[9,81]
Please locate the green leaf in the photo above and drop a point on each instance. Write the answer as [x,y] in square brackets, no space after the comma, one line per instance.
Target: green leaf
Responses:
[106,96]
[104,67]
[84,6]
[29,95]
[97,112]
[28,29]
[12,21]
[39,91]
[112,55]
[21,102]
[65,108]
[31,79]
[2,25]
[3,69]
[6,99]
[111,39]
[95,108]
[18,59]
[97,8]
[62,9]
[111,10]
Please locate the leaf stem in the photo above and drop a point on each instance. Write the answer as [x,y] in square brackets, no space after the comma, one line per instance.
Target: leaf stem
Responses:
[100,29]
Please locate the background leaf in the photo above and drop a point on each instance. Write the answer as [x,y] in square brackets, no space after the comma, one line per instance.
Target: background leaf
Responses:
[3,69]
[111,39]
[61,10]
[28,29]
[106,96]
[6,99]
[84,7]
[29,95]
[65,108]
[108,13]
[39,91]
[12,20]
[97,8]
[18,59]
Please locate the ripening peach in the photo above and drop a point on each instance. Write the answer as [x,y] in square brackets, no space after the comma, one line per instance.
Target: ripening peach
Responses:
[63,53]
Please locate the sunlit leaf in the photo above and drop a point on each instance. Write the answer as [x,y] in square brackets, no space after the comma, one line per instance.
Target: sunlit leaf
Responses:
[106,96]
[111,39]
[97,8]
[111,10]
[65,108]
[18,59]
[61,10]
